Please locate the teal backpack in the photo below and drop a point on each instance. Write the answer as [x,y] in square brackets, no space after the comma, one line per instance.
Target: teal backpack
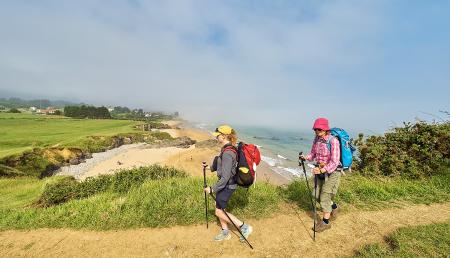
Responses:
[346,148]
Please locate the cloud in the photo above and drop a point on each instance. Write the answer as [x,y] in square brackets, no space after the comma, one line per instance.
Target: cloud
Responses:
[258,62]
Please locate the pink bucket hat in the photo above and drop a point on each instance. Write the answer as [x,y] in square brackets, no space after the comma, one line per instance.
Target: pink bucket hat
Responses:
[321,123]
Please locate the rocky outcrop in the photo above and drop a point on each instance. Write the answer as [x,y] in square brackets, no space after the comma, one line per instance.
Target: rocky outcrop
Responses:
[181,142]
[208,144]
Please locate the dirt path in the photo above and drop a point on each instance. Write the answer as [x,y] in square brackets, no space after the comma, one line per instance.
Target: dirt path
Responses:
[286,235]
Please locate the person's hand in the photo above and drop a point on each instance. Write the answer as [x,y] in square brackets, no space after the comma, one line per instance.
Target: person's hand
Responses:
[207,190]
[316,171]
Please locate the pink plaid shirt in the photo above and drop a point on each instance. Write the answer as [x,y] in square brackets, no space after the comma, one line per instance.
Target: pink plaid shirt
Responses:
[321,154]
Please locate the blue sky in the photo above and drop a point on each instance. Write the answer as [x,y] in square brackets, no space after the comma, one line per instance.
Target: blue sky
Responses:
[366,65]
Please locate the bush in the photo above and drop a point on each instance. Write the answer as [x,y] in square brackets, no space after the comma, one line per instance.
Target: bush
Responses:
[14,110]
[413,151]
[61,191]
[121,182]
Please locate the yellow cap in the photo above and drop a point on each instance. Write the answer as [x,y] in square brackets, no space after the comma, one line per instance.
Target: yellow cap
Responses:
[223,129]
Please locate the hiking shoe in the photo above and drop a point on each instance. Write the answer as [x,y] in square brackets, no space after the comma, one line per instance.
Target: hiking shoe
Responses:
[246,231]
[222,236]
[321,226]
[335,213]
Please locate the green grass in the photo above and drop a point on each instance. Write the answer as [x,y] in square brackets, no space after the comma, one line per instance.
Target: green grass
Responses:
[67,188]
[20,132]
[145,198]
[420,241]
[364,193]
[17,193]
[155,203]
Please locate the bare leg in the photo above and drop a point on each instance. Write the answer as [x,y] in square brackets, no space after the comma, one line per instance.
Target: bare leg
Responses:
[224,220]
[326,215]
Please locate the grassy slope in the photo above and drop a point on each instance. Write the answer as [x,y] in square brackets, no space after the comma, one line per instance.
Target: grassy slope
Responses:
[20,132]
[20,192]
[421,241]
[179,201]
[358,192]
[156,203]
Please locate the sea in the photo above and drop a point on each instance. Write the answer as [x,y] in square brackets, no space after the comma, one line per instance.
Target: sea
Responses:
[279,148]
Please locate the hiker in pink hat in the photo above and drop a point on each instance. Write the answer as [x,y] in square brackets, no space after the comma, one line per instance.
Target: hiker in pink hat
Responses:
[325,152]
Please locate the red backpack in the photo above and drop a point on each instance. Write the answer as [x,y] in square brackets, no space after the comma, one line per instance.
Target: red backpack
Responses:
[248,157]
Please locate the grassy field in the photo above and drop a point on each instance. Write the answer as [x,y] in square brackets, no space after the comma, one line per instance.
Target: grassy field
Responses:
[147,198]
[20,132]
[358,192]
[124,201]
[421,241]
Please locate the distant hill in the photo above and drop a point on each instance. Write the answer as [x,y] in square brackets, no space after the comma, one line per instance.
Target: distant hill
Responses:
[39,103]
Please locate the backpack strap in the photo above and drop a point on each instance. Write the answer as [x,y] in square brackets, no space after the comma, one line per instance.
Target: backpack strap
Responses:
[231,148]
[329,142]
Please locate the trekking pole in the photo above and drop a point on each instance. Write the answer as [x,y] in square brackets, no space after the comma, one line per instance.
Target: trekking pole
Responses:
[206,198]
[301,162]
[240,232]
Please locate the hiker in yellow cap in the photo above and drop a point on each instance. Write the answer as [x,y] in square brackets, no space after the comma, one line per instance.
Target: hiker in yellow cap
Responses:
[225,166]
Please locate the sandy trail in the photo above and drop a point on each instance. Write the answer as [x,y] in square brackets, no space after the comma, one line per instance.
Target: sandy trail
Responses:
[285,235]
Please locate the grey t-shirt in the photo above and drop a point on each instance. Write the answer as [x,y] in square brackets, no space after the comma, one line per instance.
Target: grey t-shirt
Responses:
[226,169]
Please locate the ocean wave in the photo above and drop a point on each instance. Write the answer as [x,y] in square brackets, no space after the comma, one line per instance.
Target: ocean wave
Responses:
[272,162]
[296,172]
[281,157]
[273,138]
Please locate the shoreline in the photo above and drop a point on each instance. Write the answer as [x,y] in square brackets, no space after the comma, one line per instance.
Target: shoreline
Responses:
[140,154]
[191,161]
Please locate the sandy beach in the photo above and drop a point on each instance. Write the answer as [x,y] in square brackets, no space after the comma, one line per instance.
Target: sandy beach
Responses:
[189,160]
[135,157]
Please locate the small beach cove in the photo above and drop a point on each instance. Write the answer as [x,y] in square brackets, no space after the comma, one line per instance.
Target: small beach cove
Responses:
[141,154]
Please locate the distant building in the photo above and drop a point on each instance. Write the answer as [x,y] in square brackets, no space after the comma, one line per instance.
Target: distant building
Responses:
[148,115]
[110,109]
[33,109]
[47,111]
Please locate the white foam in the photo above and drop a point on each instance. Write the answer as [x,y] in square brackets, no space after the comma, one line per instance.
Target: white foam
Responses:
[281,157]
[272,162]
[298,172]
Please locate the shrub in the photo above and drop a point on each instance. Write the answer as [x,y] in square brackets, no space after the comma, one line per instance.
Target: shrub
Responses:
[59,192]
[14,110]
[121,182]
[415,150]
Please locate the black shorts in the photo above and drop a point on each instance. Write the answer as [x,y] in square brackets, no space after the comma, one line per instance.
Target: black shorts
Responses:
[222,197]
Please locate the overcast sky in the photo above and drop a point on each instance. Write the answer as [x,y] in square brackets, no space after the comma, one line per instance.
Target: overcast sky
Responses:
[366,65]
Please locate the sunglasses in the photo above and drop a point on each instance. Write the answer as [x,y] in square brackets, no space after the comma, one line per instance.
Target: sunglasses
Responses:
[317,130]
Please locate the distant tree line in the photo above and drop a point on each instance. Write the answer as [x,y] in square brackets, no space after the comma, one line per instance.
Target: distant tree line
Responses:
[38,103]
[86,112]
[120,110]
